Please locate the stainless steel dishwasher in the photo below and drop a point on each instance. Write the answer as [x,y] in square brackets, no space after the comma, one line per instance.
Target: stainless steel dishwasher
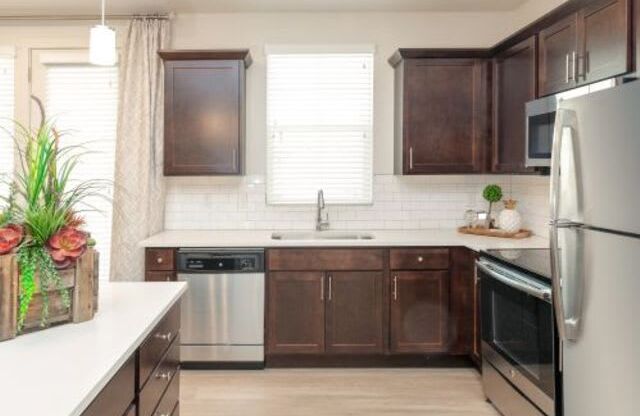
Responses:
[223,309]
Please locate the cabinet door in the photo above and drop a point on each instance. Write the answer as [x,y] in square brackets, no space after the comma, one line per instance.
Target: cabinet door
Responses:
[558,56]
[604,36]
[295,316]
[419,311]
[461,319]
[354,312]
[514,85]
[476,353]
[203,117]
[445,115]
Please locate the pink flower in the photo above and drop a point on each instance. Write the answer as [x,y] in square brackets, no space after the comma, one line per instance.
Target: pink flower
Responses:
[66,246]
[10,237]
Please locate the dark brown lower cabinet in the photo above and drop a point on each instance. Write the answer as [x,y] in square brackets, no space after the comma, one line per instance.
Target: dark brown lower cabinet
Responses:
[476,353]
[118,395]
[462,301]
[154,390]
[295,312]
[419,311]
[354,312]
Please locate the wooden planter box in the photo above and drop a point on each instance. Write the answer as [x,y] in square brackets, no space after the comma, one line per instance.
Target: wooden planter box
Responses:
[82,280]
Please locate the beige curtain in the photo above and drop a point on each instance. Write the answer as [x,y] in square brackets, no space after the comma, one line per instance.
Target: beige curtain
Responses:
[139,192]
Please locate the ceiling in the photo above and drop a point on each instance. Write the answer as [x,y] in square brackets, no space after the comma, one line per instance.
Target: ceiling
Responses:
[82,7]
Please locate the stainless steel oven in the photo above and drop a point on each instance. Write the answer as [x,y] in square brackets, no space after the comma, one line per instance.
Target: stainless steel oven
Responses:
[519,340]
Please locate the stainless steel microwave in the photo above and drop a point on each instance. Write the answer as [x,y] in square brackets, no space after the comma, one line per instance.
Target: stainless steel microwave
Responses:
[540,120]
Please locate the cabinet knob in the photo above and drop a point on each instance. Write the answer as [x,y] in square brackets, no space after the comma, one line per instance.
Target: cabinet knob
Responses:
[159,260]
[165,375]
[164,337]
[420,259]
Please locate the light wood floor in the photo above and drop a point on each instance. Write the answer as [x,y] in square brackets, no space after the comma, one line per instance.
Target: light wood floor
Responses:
[335,392]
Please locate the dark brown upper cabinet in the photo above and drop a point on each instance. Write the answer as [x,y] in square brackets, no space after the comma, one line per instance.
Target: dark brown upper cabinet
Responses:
[558,56]
[604,33]
[515,80]
[204,112]
[586,46]
[441,115]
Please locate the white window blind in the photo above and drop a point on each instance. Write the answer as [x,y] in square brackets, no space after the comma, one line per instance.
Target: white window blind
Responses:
[6,125]
[83,102]
[320,127]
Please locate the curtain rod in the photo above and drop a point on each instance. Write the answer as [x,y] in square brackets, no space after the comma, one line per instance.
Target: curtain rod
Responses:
[87,17]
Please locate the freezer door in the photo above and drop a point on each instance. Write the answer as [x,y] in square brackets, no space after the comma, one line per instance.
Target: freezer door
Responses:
[600,159]
[601,368]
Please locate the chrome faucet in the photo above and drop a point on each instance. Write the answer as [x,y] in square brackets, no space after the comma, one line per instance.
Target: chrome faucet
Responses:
[322,219]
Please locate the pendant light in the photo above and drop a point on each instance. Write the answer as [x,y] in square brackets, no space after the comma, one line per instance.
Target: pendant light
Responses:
[102,49]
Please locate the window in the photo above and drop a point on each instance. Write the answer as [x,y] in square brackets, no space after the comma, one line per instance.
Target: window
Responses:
[83,101]
[319,127]
[6,117]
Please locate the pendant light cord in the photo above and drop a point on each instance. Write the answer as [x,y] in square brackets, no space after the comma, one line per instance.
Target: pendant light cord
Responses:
[103,11]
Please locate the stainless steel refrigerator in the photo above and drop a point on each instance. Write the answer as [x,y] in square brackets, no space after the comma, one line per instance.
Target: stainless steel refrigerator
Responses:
[595,242]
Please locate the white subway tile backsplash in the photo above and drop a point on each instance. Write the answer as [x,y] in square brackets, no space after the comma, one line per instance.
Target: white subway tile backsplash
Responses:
[399,202]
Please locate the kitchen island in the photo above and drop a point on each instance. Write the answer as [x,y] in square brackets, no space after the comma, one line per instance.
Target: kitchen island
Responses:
[61,371]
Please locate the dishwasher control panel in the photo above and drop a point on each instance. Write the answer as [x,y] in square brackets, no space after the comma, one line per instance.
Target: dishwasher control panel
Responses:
[212,261]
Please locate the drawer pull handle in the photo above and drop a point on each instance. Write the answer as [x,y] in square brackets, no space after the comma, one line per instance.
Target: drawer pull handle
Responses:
[165,375]
[161,414]
[159,260]
[164,337]
[420,259]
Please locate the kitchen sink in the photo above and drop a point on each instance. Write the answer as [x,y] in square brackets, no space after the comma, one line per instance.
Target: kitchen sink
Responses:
[321,235]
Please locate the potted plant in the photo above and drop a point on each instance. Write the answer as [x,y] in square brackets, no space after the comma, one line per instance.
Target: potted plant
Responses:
[492,193]
[48,268]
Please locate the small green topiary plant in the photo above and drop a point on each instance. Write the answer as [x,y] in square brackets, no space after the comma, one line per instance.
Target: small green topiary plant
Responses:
[492,193]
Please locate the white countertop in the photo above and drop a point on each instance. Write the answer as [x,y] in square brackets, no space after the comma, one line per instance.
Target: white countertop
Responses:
[383,238]
[59,371]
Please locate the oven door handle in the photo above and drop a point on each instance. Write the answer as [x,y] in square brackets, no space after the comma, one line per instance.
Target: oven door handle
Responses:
[512,280]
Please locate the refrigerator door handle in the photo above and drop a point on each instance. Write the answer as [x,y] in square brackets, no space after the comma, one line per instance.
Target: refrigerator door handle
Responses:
[565,186]
[567,279]
[565,260]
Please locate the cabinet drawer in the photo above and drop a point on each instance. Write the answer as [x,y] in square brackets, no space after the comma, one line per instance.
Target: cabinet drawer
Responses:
[154,347]
[170,399]
[325,259]
[419,259]
[116,397]
[169,276]
[160,259]
[160,378]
